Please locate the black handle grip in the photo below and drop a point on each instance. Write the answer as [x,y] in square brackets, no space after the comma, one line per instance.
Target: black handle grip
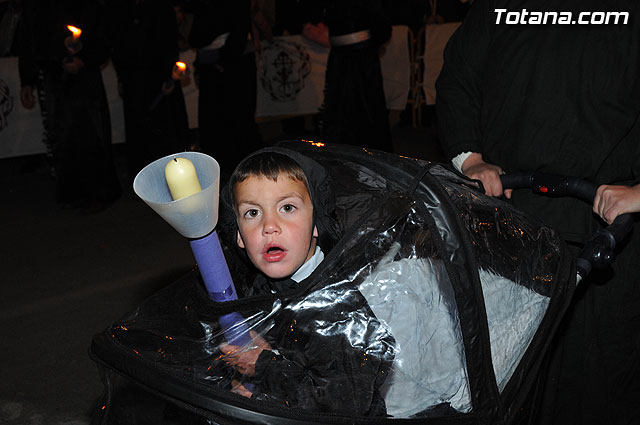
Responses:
[598,252]
[550,184]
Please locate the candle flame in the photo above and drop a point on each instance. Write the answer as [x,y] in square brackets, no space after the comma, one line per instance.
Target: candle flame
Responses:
[74,30]
[179,71]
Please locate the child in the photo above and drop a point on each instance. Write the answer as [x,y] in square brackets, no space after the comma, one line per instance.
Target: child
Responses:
[279,233]
[284,223]
[269,194]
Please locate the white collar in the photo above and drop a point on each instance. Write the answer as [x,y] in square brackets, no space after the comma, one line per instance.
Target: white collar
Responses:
[307,268]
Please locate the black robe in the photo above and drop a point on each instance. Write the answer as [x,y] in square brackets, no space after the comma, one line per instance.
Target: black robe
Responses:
[561,99]
[143,38]
[354,108]
[226,81]
[75,110]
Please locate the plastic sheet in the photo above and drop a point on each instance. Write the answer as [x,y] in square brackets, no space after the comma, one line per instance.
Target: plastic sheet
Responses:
[436,302]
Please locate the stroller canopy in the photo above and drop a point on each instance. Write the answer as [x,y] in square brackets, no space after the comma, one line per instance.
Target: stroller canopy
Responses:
[437,302]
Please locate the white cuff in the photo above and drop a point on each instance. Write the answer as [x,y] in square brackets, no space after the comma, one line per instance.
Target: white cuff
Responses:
[459,159]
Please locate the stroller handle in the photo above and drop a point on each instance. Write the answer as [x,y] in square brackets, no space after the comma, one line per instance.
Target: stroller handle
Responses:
[598,251]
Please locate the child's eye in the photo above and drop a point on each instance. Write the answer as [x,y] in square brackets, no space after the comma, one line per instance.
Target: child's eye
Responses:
[252,213]
[288,208]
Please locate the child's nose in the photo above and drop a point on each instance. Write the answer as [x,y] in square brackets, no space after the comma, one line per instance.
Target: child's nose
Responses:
[271,224]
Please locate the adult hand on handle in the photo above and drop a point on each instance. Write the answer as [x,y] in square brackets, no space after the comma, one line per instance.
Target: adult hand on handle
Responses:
[613,200]
[475,167]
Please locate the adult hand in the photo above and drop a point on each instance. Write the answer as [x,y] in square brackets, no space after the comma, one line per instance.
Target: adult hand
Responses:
[474,167]
[74,66]
[318,33]
[26,97]
[243,359]
[611,201]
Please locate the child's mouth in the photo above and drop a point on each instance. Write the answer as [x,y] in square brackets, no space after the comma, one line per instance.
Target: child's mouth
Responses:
[274,254]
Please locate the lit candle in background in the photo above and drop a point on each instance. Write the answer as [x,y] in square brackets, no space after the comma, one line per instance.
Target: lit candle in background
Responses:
[75,31]
[181,178]
[179,71]
[73,43]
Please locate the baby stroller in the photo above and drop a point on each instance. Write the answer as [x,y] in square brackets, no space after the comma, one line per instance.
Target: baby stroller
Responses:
[437,305]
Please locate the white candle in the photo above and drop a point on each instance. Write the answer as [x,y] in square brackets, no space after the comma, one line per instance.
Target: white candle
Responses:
[182,178]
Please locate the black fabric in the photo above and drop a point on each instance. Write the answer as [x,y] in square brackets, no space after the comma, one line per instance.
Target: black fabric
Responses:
[354,110]
[78,121]
[291,15]
[345,17]
[212,18]
[562,99]
[322,373]
[143,39]
[264,285]
[226,110]
[226,81]
[354,107]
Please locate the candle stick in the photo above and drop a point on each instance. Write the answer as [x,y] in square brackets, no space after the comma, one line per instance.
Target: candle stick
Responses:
[182,180]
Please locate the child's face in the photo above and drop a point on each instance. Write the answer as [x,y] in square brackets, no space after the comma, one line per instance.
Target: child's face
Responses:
[275,224]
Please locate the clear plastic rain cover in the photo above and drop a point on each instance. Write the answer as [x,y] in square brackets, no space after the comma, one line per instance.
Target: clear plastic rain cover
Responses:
[430,283]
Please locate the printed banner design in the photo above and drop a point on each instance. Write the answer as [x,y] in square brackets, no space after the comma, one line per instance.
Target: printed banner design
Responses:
[291,74]
[291,77]
[6,103]
[20,128]
[21,131]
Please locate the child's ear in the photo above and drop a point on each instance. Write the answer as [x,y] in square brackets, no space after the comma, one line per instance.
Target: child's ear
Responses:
[315,232]
[240,241]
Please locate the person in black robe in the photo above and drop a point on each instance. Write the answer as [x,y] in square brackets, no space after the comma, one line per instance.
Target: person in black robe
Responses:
[562,99]
[354,110]
[226,74]
[69,80]
[143,36]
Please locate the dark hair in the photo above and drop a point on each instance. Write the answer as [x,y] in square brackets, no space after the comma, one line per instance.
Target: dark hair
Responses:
[268,165]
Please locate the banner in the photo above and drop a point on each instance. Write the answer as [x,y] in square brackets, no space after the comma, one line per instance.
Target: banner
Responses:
[290,79]
[396,69]
[21,131]
[436,38]
[291,73]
